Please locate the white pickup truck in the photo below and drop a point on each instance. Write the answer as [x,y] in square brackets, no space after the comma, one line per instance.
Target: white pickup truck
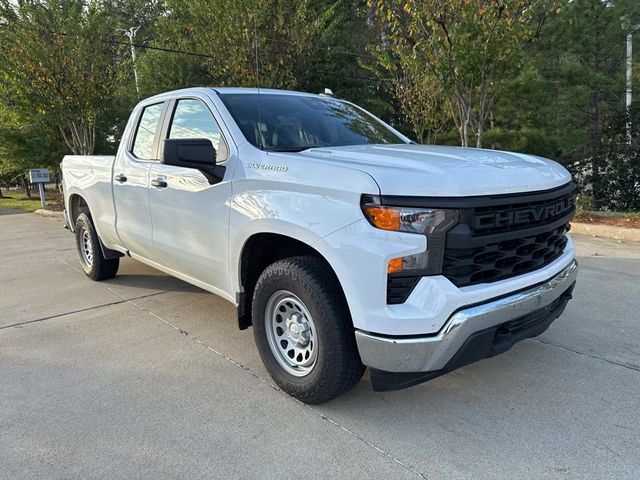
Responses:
[340,241]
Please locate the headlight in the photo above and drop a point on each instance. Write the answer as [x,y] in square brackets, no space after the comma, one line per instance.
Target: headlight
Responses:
[432,222]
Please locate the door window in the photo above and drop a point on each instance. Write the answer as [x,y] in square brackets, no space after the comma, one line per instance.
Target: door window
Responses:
[146,131]
[192,119]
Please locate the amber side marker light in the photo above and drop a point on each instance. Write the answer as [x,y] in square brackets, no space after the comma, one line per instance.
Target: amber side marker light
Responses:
[395,265]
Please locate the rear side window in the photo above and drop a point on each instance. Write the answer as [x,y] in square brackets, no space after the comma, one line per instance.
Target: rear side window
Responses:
[146,131]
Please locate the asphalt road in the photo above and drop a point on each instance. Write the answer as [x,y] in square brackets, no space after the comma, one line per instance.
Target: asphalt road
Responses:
[145,376]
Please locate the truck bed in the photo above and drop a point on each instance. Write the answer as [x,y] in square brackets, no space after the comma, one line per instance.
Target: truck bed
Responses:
[91,176]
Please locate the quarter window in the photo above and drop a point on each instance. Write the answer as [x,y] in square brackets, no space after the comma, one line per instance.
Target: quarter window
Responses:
[146,131]
[192,119]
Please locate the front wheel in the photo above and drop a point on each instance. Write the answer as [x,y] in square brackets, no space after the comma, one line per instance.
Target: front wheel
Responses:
[303,330]
[95,266]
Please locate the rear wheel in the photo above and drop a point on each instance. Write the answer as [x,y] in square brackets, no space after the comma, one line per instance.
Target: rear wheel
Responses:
[303,330]
[93,263]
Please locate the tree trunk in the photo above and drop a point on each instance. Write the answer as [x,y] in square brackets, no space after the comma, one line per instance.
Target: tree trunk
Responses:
[479,136]
[463,128]
[464,139]
[464,132]
[1,193]
[27,190]
[80,136]
[463,124]
[419,131]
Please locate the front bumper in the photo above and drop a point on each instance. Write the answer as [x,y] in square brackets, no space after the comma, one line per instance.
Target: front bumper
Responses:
[470,334]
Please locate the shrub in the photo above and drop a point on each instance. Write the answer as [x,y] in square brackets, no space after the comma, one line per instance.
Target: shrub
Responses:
[617,183]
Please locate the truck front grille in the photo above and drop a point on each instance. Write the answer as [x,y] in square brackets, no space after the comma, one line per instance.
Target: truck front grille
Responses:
[496,237]
[503,259]
[508,236]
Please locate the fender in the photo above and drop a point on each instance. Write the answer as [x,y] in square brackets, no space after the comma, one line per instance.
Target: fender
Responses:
[263,225]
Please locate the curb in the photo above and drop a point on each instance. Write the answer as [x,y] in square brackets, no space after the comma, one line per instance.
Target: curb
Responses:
[606,231]
[48,213]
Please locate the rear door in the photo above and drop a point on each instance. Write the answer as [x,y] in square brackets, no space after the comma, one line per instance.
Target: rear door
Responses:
[131,181]
[190,215]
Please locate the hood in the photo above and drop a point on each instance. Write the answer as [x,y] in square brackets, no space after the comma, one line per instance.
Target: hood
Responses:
[424,170]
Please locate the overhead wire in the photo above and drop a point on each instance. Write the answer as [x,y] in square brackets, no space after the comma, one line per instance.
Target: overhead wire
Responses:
[145,46]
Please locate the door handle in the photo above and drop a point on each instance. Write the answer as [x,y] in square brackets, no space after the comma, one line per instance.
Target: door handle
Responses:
[120,178]
[159,183]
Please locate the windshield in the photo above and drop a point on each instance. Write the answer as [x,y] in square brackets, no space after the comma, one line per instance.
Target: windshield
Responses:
[292,123]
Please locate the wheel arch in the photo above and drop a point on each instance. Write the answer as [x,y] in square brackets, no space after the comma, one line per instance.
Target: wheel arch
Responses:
[258,252]
[77,205]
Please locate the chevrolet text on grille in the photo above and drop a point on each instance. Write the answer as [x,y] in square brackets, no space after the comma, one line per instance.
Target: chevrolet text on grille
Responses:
[525,215]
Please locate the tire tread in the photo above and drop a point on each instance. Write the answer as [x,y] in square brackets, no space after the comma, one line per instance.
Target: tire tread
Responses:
[102,269]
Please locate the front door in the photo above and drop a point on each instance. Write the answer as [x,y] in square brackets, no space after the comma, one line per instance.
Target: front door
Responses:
[190,216]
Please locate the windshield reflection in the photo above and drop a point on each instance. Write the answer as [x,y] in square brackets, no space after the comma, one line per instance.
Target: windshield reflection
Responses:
[292,123]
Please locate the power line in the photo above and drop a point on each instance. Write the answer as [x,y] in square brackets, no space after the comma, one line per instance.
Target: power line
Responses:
[161,49]
[204,55]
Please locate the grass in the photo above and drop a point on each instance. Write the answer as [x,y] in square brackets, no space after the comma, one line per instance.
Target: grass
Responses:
[612,214]
[19,201]
[617,219]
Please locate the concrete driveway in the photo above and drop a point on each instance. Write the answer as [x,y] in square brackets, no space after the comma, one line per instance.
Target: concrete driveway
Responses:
[145,376]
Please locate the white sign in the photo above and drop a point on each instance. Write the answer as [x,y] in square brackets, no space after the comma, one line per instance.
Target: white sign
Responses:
[39,175]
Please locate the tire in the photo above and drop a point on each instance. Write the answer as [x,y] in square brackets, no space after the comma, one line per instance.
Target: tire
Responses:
[313,355]
[95,266]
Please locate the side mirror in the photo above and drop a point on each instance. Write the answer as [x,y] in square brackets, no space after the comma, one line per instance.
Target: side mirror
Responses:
[196,153]
[189,152]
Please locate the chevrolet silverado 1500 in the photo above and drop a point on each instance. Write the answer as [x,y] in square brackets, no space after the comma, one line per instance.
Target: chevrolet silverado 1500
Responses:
[341,242]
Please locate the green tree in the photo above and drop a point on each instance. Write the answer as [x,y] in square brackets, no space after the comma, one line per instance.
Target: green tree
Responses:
[466,47]
[26,143]
[420,97]
[56,67]
[307,45]
[340,57]
[249,42]
[570,86]
[618,182]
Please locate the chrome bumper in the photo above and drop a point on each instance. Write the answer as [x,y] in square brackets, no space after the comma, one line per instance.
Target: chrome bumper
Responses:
[432,353]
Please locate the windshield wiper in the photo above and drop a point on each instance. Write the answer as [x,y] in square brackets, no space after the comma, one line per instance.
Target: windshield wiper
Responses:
[291,149]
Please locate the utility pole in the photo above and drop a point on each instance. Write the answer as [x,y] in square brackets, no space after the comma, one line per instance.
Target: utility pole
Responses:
[131,33]
[630,31]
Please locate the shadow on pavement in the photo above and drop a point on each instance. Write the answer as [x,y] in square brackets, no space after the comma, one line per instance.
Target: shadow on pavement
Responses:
[152,282]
